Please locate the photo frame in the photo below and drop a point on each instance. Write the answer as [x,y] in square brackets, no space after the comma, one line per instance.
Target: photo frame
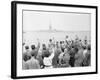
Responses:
[27,16]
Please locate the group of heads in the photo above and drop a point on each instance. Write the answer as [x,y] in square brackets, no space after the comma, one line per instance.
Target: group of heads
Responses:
[27,55]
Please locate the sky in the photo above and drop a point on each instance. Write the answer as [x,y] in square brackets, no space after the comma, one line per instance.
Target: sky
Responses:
[39,20]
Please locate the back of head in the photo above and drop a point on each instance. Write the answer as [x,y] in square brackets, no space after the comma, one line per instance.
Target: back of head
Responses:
[26,47]
[32,47]
[60,42]
[34,53]
[50,40]
[46,53]
[43,46]
[26,57]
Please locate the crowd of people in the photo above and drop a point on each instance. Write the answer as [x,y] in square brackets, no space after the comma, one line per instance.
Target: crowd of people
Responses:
[57,54]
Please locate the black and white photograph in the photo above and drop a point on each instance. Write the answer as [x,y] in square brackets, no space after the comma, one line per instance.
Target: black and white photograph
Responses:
[54,39]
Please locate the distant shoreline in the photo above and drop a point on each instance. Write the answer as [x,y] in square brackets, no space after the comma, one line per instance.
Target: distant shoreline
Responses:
[54,31]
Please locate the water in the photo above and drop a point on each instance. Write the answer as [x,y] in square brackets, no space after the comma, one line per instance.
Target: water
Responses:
[44,36]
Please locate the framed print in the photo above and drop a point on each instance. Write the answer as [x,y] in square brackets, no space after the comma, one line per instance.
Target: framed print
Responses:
[50,39]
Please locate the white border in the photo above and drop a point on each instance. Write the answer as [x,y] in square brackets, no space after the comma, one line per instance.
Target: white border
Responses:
[21,72]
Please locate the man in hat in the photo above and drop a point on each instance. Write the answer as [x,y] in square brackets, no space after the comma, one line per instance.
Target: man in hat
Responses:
[33,63]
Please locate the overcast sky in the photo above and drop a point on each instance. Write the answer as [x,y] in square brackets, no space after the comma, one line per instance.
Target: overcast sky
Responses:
[34,20]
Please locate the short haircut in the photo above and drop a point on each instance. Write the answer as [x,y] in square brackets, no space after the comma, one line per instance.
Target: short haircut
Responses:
[60,42]
[46,53]
[32,47]
[26,57]
[50,40]
[26,47]
[44,46]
